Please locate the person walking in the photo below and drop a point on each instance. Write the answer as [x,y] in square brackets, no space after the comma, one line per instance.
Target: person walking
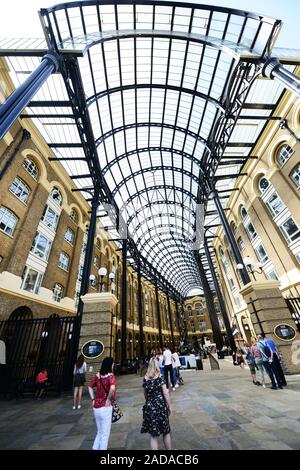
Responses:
[168,368]
[267,355]
[251,362]
[104,384]
[157,408]
[160,358]
[41,381]
[176,365]
[276,360]
[258,361]
[79,381]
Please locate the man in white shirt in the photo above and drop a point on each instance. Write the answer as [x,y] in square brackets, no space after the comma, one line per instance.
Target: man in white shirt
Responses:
[168,368]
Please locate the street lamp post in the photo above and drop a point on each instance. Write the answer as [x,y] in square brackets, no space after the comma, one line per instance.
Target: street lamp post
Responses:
[102,273]
[250,267]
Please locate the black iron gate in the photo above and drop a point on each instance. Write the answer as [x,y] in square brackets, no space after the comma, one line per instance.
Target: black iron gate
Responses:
[293,304]
[36,344]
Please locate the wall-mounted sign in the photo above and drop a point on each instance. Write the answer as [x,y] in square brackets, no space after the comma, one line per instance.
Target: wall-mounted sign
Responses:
[92,349]
[285,332]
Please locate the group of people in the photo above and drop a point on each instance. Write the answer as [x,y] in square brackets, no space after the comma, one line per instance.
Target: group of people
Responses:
[157,408]
[169,365]
[262,356]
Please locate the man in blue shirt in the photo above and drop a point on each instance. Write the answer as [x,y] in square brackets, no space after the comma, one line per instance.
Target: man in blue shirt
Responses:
[276,359]
[267,356]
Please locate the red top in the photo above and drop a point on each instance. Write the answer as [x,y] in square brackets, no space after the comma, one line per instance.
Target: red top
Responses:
[42,377]
[100,392]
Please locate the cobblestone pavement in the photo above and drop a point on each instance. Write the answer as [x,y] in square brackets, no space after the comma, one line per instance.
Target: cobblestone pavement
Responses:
[214,410]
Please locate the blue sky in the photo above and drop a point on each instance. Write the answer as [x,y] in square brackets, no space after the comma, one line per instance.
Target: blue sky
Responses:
[26,22]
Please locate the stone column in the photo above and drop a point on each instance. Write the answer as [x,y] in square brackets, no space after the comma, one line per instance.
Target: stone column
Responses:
[97,323]
[268,309]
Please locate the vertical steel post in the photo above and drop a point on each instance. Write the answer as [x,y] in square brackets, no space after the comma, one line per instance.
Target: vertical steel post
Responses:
[220,298]
[124,303]
[170,319]
[140,310]
[210,306]
[89,252]
[230,237]
[158,315]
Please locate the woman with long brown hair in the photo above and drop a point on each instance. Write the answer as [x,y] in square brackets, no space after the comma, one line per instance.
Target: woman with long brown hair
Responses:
[79,381]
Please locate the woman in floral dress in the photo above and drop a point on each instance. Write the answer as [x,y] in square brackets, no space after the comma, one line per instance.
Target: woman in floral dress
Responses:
[157,408]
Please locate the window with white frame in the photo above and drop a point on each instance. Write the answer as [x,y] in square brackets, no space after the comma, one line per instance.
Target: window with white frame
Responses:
[192,324]
[284,153]
[41,246]
[241,244]
[64,261]
[199,309]
[97,261]
[8,221]
[202,325]
[221,322]
[290,230]
[31,168]
[20,189]
[58,292]
[74,216]
[295,175]
[244,213]
[31,280]
[189,310]
[261,253]
[272,275]
[70,236]
[56,196]
[275,204]
[50,218]
[251,231]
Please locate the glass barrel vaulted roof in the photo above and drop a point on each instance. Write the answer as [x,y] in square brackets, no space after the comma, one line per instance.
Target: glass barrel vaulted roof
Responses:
[159,79]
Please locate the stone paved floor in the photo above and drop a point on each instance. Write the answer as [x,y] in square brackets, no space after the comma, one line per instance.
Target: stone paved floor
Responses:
[213,410]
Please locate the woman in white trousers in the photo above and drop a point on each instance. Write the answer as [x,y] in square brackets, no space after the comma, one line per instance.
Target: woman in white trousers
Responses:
[102,390]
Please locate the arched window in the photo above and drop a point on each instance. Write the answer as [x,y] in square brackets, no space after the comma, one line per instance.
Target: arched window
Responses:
[97,261]
[56,196]
[70,236]
[284,153]
[241,243]
[98,244]
[58,292]
[233,227]
[64,261]
[243,213]
[295,175]
[8,221]
[74,216]
[31,168]
[263,184]
[189,310]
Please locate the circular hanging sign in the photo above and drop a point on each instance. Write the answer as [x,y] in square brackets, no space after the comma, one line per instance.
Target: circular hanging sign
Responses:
[92,349]
[285,332]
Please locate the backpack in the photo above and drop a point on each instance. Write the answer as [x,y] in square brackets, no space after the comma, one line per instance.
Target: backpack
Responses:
[265,349]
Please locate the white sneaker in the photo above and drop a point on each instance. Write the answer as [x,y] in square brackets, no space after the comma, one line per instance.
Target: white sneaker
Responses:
[74,407]
[176,386]
[173,389]
[78,407]
[264,386]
